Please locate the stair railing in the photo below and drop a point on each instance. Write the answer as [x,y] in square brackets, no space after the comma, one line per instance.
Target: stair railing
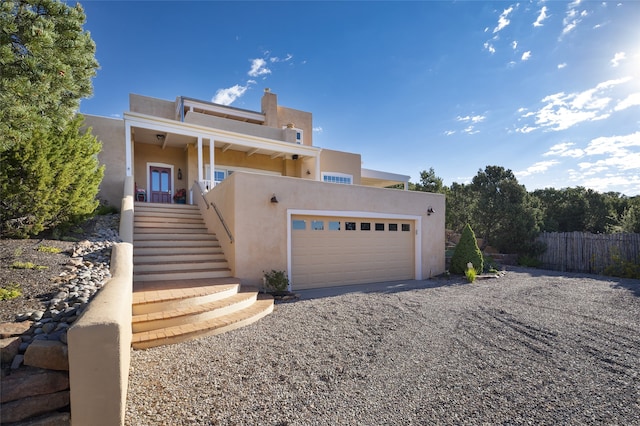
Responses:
[224,224]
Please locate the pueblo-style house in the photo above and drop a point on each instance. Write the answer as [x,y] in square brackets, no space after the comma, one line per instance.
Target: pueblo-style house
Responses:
[273,200]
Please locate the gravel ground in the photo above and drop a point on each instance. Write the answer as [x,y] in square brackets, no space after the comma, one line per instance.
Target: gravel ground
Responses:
[532,347]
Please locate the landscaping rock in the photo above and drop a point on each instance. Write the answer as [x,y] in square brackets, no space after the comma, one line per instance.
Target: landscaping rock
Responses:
[10,329]
[26,408]
[51,354]
[28,382]
[9,348]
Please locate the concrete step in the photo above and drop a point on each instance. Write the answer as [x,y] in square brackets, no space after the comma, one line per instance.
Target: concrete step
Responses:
[176,256]
[177,245]
[211,250]
[174,297]
[213,326]
[144,236]
[177,223]
[175,266]
[170,230]
[193,314]
[155,216]
[181,275]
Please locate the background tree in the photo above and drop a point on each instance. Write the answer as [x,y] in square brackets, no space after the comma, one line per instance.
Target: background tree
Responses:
[460,202]
[429,182]
[503,213]
[49,172]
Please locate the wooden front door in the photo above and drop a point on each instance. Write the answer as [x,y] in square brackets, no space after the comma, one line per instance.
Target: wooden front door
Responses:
[160,184]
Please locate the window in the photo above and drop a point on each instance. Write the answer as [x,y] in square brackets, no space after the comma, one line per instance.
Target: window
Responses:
[406,227]
[365,226]
[393,227]
[334,226]
[350,226]
[317,225]
[298,224]
[379,226]
[337,178]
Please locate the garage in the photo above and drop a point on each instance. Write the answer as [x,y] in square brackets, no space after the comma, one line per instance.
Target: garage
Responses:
[337,250]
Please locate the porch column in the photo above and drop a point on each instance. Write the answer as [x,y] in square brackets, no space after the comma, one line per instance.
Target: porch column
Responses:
[318,167]
[200,165]
[127,149]
[212,175]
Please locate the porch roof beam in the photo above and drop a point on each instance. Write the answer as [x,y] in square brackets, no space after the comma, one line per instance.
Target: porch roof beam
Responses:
[222,136]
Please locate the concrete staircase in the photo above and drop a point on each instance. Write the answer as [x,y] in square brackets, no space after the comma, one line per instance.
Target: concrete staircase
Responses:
[183,288]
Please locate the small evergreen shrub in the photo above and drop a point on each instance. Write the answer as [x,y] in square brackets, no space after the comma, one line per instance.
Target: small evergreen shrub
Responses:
[622,268]
[49,249]
[12,291]
[466,251]
[471,274]
[27,265]
[276,281]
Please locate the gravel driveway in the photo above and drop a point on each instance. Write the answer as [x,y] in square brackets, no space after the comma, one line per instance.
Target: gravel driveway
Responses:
[532,347]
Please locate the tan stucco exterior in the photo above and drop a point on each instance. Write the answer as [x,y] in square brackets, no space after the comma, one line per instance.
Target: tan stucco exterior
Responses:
[259,227]
[261,150]
[110,133]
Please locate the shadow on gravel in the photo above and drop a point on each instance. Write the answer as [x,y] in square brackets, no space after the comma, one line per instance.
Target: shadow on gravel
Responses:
[385,287]
[629,284]
[621,283]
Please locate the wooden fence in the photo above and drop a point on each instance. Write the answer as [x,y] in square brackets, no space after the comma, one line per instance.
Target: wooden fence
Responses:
[585,252]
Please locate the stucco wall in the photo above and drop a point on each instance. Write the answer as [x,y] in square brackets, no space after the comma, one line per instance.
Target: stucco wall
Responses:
[341,162]
[300,119]
[260,227]
[152,106]
[110,132]
[146,153]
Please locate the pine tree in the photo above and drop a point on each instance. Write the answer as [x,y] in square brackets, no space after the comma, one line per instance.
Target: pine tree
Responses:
[49,172]
[466,251]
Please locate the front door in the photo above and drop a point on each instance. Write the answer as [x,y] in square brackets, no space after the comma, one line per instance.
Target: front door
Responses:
[160,184]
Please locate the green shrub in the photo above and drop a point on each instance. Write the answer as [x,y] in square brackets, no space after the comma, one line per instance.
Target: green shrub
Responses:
[471,274]
[622,268]
[11,291]
[276,280]
[528,261]
[466,251]
[49,249]
[26,265]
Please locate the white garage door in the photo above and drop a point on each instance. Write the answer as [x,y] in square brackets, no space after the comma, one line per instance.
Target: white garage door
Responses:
[331,251]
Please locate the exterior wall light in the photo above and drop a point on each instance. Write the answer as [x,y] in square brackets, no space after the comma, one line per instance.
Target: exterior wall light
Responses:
[179,174]
[274,199]
[430,210]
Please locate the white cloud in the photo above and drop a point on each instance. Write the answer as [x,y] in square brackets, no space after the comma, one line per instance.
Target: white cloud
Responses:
[449,132]
[258,68]
[277,59]
[229,95]
[562,111]
[539,167]
[514,44]
[617,58]
[503,20]
[318,129]
[470,130]
[572,18]
[472,118]
[490,47]
[564,150]
[526,55]
[541,17]
[562,65]
[630,101]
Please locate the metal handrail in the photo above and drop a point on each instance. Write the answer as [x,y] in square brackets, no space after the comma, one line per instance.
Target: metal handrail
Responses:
[224,225]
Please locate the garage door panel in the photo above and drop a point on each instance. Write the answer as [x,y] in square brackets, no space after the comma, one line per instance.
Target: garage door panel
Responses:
[322,258]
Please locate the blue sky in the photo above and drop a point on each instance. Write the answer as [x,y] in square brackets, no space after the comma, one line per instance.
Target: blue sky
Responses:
[548,89]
